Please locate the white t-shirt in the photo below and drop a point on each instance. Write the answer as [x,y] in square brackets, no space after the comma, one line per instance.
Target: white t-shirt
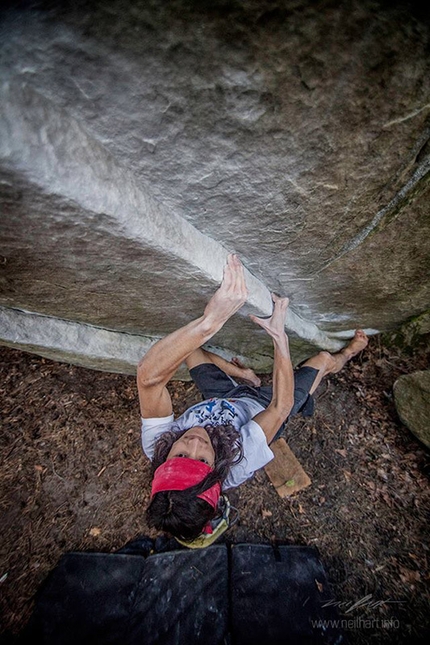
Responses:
[238,412]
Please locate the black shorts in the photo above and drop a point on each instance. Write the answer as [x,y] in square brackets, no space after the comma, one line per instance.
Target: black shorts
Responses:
[212,382]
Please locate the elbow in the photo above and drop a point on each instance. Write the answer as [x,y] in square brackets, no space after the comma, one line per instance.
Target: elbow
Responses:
[285,412]
[283,409]
[288,412]
[289,406]
[146,376]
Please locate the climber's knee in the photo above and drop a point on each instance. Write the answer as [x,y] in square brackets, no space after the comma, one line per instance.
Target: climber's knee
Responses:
[323,361]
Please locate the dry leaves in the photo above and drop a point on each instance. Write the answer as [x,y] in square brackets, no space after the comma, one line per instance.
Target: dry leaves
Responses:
[408,576]
[95,531]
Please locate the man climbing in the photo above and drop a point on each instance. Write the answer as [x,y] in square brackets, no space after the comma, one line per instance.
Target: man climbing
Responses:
[219,443]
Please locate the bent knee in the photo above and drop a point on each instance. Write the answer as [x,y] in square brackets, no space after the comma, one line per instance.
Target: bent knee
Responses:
[327,360]
[197,357]
[323,362]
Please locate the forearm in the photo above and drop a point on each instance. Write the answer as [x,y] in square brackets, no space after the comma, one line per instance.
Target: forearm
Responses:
[282,401]
[283,377]
[163,359]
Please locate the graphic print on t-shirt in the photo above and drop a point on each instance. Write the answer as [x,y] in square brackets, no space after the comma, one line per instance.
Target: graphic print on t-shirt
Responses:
[214,411]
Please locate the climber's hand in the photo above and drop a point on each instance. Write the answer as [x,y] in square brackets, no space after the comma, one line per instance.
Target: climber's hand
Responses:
[275,325]
[231,295]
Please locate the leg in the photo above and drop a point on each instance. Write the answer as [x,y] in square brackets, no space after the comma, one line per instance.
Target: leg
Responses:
[210,380]
[234,368]
[327,363]
[197,357]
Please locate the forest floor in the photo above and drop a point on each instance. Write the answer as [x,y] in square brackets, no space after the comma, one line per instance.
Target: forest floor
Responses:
[74,478]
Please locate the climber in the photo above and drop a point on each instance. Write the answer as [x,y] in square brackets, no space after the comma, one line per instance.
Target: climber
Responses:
[219,443]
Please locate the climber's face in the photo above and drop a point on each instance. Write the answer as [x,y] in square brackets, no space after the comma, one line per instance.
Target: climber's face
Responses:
[194,444]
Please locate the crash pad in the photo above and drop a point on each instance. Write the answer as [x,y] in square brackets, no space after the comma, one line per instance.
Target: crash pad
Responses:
[241,594]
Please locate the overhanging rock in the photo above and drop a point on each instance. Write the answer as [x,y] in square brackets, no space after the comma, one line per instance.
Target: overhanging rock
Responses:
[140,142]
[82,344]
[74,195]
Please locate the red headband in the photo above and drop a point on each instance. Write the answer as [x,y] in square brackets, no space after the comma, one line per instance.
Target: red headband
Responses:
[180,473]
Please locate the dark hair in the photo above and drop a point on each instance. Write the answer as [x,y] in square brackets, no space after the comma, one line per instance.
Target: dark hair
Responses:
[180,512]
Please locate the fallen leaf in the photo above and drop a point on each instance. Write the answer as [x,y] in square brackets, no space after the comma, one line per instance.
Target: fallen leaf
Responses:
[341,452]
[386,497]
[347,475]
[319,585]
[382,474]
[409,576]
[266,513]
[95,532]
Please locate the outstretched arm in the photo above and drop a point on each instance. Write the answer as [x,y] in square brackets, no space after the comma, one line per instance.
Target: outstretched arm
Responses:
[163,359]
[283,377]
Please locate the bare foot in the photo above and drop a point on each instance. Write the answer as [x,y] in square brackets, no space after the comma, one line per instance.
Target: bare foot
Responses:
[328,363]
[246,373]
[357,344]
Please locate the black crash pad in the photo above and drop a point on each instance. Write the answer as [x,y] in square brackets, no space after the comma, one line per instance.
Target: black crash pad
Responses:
[278,596]
[240,594]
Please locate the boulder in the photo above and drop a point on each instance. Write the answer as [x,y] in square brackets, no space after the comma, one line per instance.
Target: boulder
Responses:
[412,399]
[140,142]
[412,336]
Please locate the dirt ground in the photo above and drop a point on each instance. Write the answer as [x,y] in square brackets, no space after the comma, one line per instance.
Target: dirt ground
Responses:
[74,478]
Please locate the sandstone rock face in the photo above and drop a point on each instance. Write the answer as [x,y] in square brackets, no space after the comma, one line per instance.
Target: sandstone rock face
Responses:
[140,142]
[85,345]
[412,399]
[413,335]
